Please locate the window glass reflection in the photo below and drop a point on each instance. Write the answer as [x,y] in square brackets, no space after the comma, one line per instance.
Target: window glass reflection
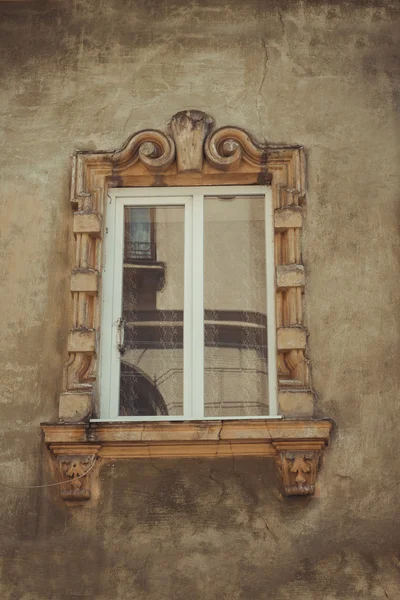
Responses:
[235,323]
[151,379]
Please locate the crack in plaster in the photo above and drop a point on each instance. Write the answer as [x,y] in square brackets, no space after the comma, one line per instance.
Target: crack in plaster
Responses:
[344,476]
[152,463]
[107,103]
[383,587]
[281,21]
[333,576]
[216,482]
[260,97]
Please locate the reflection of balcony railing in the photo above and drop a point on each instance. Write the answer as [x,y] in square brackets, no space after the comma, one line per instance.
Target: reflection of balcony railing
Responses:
[139,251]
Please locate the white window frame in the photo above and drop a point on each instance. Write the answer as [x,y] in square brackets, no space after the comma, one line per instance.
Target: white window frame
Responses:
[192,198]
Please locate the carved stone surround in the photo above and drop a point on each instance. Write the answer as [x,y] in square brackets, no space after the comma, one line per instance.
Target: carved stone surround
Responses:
[190,154]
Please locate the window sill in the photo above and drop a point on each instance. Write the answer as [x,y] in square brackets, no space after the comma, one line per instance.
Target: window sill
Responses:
[296,446]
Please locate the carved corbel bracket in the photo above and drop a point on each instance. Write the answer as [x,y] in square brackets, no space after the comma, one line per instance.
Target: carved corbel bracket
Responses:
[298,469]
[75,471]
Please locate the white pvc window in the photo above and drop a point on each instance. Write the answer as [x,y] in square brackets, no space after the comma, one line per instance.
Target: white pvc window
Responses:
[188,315]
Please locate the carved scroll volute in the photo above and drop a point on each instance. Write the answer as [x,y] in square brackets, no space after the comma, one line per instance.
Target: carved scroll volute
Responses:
[225,148]
[298,471]
[189,129]
[156,150]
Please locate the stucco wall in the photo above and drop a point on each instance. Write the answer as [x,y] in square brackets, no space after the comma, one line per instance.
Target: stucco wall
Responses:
[84,74]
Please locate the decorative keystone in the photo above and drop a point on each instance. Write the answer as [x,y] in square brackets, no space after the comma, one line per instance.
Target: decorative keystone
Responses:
[189,129]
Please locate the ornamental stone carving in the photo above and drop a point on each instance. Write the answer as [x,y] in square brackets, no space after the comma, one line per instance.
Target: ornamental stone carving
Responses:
[189,129]
[75,475]
[299,471]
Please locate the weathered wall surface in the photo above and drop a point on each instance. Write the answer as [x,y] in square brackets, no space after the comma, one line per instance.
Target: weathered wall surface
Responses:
[84,74]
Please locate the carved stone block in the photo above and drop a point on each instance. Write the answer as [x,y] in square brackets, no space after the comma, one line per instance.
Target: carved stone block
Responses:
[189,129]
[288,218]
[289,276]
[74,407]
[84,280]
[289,338]
[72,473]
[81,340]
[296,403]
[87,223]
[298,471]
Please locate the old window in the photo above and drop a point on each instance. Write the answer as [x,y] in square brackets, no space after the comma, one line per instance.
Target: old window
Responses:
[186,313]
[188,327]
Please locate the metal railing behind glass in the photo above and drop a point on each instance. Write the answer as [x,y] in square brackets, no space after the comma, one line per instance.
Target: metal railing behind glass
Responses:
[139,251]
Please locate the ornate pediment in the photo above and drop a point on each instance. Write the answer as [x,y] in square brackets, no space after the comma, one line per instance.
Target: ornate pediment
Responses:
[189,141]
[189,150]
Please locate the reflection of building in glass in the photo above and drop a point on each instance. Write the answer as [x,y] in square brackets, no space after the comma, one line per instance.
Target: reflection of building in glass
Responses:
[152,311]
[235,377]
[139,244]
[139,395]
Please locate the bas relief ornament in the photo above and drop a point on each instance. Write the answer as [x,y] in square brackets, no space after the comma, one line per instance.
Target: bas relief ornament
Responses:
[189,129]
[74,475]
[190,152]
[298,471]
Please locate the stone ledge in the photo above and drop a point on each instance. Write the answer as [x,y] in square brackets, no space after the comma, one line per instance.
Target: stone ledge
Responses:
[287,441]
[134,432]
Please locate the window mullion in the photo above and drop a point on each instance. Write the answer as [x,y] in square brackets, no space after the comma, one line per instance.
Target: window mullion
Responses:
[198,309]
[108,291]
[118,268]
[187,312]
[271,304]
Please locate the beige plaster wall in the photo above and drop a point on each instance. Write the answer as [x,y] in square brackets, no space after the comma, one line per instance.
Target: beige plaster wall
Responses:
[84,74]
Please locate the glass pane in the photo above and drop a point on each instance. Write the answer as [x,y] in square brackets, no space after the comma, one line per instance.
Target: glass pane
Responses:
[151,380]
[235,322]
[138,239]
